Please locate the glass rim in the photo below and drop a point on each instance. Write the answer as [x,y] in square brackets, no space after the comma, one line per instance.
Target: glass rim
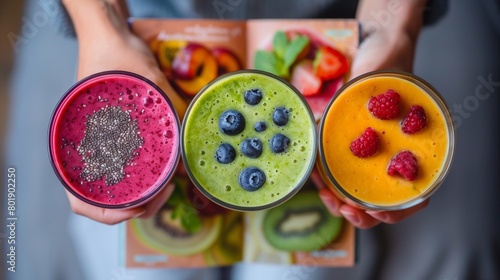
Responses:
[434,94]
[298,185]
[52,158]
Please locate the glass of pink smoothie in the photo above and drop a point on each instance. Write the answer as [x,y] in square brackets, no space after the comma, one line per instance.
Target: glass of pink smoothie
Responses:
[114,140]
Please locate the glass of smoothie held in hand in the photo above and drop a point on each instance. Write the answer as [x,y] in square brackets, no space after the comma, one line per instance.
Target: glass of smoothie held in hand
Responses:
[113,140]
[386,141]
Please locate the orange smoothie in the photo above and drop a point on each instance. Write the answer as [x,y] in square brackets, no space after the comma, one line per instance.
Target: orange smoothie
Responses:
[366,181]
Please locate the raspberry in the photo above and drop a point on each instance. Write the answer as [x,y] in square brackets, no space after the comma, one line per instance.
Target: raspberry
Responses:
[404,164]
[415,120]
[367,144]
[385,106]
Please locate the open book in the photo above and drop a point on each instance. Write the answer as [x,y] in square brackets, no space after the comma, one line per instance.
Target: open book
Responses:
[313,55]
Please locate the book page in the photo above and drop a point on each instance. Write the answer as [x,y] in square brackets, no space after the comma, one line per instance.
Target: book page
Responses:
[188,231]
[306,53]
[191,53]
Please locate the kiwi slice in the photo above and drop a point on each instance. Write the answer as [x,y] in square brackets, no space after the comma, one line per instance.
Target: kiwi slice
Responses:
[301,224]
[167,235]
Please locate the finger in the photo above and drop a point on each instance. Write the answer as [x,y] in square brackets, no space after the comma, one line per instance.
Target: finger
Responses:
[103,215]
[331,202]
[316,179]
[383,50]
[392,217]
[156,203]
[369,58]
[358,217]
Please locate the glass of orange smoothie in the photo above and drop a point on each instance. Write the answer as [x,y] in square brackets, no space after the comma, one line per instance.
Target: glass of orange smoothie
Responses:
[386,141]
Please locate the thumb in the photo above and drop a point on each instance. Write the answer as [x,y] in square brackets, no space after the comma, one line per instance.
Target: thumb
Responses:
[381,51]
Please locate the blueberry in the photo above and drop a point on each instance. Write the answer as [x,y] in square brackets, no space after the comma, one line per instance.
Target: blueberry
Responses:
[225,153]
[251,147]
[253,96]
[260,126]
[279,143]
[252,178]
[280,116]
[231,122]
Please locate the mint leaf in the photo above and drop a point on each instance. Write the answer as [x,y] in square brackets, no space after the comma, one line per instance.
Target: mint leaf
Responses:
[265,61]
[182,209]
[269,62]
[176,197]
[293,50]
[282,70]
[280,43]
[188,217]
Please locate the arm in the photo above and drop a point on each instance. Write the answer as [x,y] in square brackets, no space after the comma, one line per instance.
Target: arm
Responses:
[390,32]
[106,43]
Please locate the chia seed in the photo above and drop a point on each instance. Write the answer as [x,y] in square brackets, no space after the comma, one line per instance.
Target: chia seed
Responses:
[109,144]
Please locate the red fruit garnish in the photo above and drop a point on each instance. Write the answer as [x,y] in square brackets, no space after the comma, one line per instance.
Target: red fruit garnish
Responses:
[415,121]
[404,164]
[304,79]
[367,144]
[329,63]
[385,106]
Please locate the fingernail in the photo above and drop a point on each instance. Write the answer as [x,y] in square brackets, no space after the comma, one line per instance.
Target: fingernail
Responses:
[352,217]
[377,215]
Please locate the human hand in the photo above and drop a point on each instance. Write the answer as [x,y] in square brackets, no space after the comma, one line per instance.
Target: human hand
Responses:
[360,218]
[389,39]
[106,43]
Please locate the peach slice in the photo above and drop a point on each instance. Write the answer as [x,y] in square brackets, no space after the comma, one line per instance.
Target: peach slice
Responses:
[226,60]
[193,67]
[166,51]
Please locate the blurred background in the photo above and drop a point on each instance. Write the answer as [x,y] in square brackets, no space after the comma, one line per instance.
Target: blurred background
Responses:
[456,237]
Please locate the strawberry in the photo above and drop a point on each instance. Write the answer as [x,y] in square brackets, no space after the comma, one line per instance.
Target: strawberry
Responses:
[329,63]
[304,79]
[385,106]
[405,164]
[367,144]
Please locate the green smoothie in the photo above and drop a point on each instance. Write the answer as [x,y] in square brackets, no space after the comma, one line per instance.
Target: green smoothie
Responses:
[248,140]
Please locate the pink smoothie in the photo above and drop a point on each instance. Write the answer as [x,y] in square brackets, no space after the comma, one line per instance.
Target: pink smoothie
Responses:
[114,140]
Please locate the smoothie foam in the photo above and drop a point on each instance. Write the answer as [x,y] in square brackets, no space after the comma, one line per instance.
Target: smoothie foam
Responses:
[114,139]
[284,172]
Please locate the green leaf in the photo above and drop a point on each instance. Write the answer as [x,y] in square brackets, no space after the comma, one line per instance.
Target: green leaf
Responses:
[182,208]
[282,70]
[280,43]
[267,61]
[293,50]
[177,196]
[188,217]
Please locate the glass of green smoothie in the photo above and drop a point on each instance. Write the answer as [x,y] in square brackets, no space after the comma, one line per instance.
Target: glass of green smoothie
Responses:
[248,140]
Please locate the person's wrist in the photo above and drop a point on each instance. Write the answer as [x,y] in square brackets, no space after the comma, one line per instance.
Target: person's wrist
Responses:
[98,19]
[388,16]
